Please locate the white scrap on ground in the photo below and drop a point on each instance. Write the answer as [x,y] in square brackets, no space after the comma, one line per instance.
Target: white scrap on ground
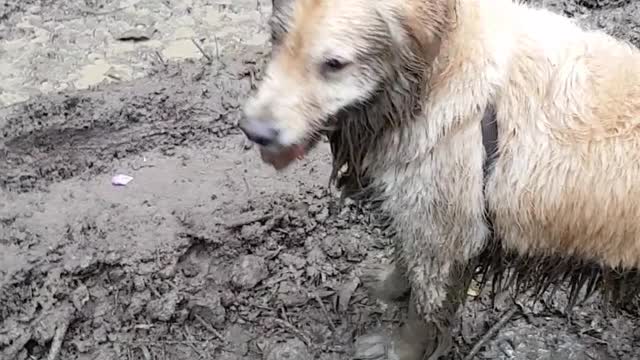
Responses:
[121,180]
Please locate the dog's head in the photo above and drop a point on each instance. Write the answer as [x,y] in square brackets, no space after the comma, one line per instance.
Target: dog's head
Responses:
[331,55]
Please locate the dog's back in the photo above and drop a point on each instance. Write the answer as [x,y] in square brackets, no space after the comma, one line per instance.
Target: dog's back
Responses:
[566,179]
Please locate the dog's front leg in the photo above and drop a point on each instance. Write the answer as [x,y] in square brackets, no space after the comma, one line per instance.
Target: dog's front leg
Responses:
[436,204]
[386,282]
[438,285]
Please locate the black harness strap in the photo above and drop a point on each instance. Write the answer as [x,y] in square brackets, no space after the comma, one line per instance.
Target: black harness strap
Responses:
[490,143]
[489,140]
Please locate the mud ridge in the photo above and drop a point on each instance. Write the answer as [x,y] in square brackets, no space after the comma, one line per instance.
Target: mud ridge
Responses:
[53,138]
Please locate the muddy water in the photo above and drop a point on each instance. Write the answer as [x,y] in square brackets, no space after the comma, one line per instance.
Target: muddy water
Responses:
[206,253]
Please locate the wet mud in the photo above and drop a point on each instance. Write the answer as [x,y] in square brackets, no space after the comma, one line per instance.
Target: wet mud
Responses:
[207,253]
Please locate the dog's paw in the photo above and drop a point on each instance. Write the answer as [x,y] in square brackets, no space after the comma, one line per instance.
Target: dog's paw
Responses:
[373,346]
[382,346]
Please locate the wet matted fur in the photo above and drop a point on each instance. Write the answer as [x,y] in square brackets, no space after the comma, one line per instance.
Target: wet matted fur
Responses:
[560,202]
[359,127]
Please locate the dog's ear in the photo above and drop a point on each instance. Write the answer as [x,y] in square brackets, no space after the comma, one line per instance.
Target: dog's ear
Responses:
[417,24]
[281,11]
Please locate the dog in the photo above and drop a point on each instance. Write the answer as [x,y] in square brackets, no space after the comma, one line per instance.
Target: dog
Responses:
[493,135]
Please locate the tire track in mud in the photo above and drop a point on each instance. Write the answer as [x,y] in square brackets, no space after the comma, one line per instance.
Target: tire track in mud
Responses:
[52,138]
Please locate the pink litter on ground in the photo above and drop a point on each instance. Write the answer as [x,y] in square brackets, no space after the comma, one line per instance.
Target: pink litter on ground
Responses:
[121,180]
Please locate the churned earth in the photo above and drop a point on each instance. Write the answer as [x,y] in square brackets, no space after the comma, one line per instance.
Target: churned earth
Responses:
[207,253]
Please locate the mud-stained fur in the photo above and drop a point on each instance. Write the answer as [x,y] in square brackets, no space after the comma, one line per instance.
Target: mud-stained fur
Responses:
[561,201]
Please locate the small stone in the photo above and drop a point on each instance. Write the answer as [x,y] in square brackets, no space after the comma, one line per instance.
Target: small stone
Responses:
[316,256]
[168,272]
[136,35]
[146,269]
[323,215]
[190,269]
[182,316]
[44,331]
[292,349]
[315,208]
[332,247]
[209,308]
[251,232]
[139,283]
[371,346]
[162,309]
[80,297]
[238,339]
[100,335]
[227,297]
[116,275]
[248,272]
[23,355]
[113,258]
[83,346]
[292,260]
[138,302]
[291,295]
[102,309]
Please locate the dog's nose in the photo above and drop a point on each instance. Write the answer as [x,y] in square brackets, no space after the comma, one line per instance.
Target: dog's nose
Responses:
[259,131]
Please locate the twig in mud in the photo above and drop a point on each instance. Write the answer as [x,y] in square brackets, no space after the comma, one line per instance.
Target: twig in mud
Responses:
[210,328]
[283,313]
[215,39]
[159,56]
[246,185]
[136,168]
[58,337]
[162,342]
[191,344]
[326,313]
[504,319]
[248,220]
[145,352]
[204,53]
[294,331]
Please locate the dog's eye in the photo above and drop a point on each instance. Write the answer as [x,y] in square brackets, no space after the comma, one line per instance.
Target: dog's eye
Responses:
[335,64]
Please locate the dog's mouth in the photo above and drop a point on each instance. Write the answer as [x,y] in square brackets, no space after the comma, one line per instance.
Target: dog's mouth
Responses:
[283,156]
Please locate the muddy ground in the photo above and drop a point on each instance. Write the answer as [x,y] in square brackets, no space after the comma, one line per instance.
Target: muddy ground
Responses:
[206,253]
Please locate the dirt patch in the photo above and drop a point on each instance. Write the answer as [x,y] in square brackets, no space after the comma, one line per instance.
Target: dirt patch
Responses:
[207,253]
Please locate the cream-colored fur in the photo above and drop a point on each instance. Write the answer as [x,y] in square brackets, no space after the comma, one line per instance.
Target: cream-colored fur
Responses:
[567,178]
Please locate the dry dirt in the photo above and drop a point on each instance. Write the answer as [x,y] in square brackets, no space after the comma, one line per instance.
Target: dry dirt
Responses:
[206,253]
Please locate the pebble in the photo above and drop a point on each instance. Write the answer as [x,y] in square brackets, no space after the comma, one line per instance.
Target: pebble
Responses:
[292,349]
[209,308]
[169,271]
[139,283]
[138,302]
[162,309]
[80,297]
[292,260]
[248,272]
[332,246]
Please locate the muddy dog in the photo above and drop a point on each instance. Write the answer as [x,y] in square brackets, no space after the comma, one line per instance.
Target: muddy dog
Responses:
[496,137]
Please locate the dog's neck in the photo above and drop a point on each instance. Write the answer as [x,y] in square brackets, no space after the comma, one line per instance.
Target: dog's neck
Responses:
[367,131]
[409,115]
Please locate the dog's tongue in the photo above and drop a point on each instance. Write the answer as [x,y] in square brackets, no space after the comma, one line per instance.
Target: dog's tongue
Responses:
[284,157]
